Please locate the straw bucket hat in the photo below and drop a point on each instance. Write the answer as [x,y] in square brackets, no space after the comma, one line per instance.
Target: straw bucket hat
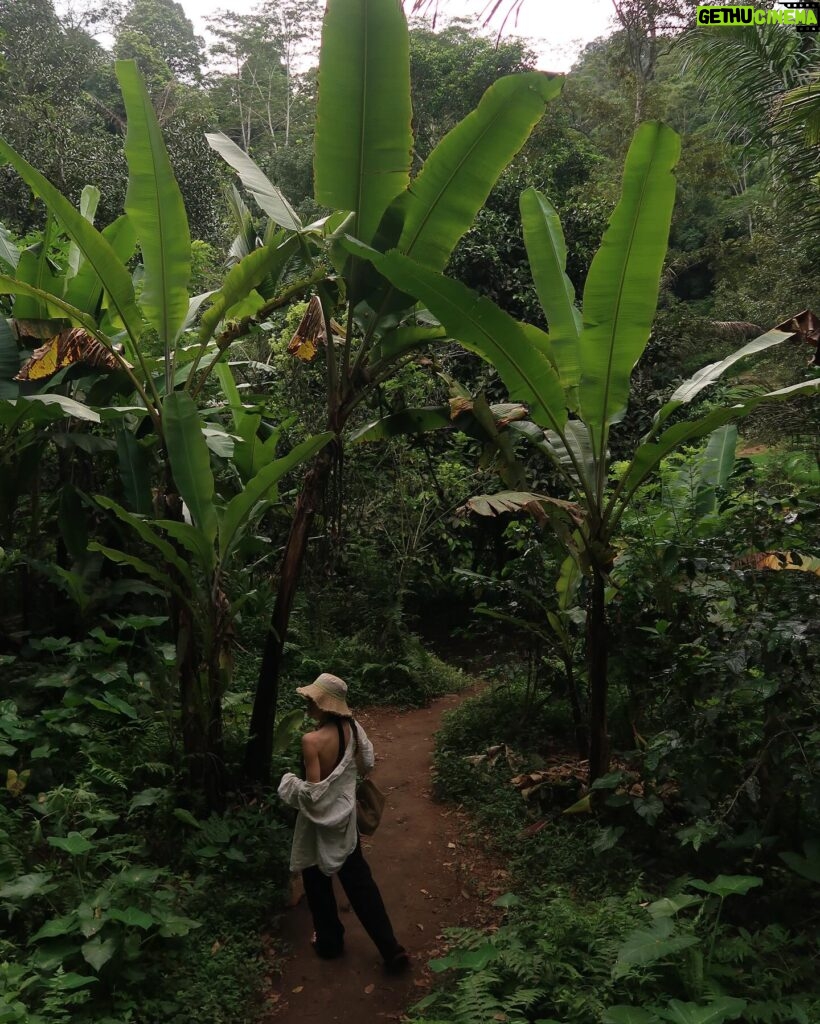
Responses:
[329,693]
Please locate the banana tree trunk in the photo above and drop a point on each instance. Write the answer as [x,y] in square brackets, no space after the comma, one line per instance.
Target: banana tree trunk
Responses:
[597,661]
[192,720]
[200,702]
[260,740]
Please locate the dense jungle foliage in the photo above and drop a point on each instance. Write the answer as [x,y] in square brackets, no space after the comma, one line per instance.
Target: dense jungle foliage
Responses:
[496,362]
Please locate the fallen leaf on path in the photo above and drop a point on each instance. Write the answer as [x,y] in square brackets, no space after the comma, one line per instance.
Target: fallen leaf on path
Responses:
[420,927]
[451,846]
[426,893]
[297,989]
[369,988]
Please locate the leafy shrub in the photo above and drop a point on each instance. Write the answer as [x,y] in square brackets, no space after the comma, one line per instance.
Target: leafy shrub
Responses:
[625,959]
[106,883]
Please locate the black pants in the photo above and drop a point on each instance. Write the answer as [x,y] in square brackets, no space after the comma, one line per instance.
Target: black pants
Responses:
[365,898]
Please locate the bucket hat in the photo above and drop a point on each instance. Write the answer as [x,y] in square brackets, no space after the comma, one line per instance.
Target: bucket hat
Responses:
[329,693]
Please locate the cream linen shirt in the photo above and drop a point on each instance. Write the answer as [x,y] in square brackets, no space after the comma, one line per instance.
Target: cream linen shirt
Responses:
[326,833]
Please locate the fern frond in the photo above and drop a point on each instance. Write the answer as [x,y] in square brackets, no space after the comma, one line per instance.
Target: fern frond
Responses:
[524,998]
[102,773]
[474,1001]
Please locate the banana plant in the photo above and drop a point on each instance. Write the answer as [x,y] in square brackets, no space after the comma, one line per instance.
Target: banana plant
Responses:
[575,380]
[362,165]
[194,559]
[97,295]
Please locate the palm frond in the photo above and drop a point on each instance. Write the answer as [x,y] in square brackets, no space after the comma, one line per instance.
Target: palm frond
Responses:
[768,81]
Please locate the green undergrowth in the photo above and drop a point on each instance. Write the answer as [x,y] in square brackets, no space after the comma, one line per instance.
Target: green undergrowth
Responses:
[123,899]
[612,923]
[402,674]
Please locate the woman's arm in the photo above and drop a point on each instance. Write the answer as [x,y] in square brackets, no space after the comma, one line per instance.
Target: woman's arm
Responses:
[365,757]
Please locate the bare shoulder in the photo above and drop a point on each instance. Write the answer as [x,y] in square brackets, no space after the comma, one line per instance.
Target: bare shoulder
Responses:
[318,739]
[312,740]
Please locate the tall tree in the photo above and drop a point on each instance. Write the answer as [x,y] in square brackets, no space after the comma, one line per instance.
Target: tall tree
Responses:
[159,35]
[262,57]
[767,79]
[450,70]
[48,72]
[648,26]
[249,86]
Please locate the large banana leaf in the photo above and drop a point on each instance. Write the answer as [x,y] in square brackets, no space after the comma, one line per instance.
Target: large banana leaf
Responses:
[190,461]
[719,457]
[460,172]
[547,254]
[85,290]
[114,275]
[239,508]
[519,352]
[621,290]
[707,375]
[134,471]
[649,455]
[55,306]
[154,203]
[267,195]
[566,586]
[42,408]
[363,138]
[571,454]
[35,269]
[146,532]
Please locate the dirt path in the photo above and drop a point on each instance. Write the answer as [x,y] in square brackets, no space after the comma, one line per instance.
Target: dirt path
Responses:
[432,872]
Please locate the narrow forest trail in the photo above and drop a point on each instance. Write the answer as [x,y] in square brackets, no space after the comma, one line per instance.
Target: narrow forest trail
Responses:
[433,872]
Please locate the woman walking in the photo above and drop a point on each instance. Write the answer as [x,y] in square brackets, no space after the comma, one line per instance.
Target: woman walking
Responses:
[326,838]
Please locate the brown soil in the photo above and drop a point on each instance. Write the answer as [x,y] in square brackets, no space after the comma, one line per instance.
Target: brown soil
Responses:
[434,872]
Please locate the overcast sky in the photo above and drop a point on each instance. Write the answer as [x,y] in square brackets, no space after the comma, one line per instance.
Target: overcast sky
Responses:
[556,30]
